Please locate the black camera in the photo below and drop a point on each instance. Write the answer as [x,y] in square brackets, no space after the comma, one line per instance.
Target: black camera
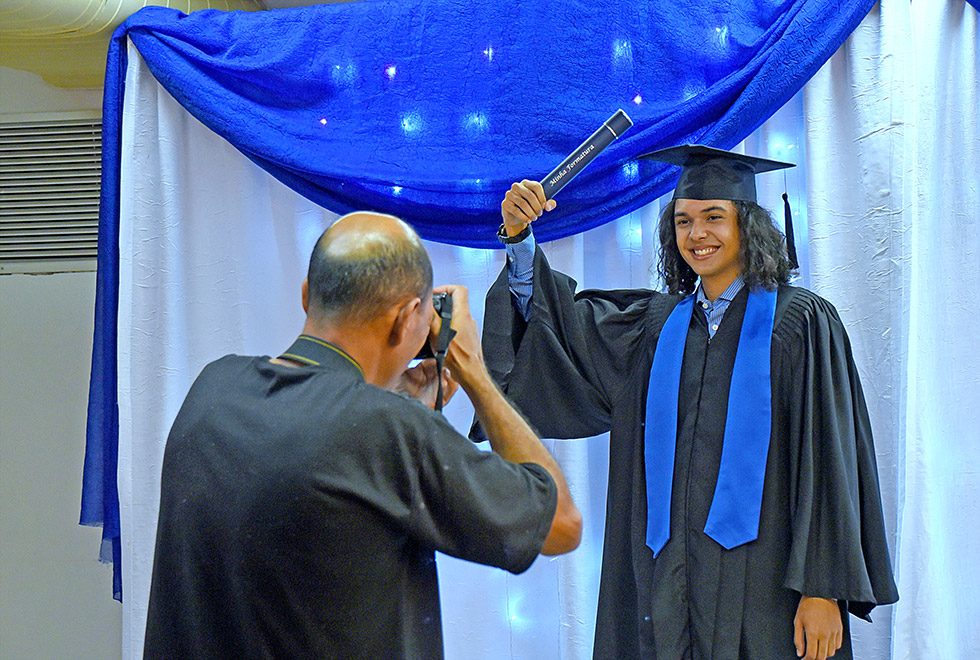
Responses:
[443,303]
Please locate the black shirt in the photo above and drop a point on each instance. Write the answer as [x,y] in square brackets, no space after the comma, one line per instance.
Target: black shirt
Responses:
[300,511]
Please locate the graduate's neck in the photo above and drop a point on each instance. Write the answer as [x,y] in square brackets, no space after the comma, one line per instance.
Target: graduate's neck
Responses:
[714,286]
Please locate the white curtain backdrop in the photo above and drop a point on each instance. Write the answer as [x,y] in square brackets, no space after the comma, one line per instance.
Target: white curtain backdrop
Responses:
[213,251]
[212,254]
[894,191]
[940,538]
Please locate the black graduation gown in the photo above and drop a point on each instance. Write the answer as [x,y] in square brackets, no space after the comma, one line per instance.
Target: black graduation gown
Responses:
[580,366]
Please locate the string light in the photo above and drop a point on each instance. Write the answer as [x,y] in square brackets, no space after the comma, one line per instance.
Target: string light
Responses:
[344,76]
[411,122]
[622,49]
[476,121]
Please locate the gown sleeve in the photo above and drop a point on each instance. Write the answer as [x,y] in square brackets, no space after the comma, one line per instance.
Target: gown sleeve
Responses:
[839,546]
[563,366]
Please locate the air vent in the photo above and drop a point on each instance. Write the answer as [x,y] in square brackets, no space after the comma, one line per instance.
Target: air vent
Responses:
[49,193]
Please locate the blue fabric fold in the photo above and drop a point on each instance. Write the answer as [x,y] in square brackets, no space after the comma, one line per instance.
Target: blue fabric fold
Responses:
[430,109]
[100,493]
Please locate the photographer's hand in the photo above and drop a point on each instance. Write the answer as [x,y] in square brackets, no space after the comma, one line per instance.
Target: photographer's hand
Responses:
[465,355]
[420,382]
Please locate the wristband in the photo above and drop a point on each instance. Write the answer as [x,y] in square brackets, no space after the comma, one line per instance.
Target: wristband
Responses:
[504,238]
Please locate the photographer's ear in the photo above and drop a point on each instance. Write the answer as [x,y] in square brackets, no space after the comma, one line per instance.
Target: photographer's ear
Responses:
[405,320]
[306,296]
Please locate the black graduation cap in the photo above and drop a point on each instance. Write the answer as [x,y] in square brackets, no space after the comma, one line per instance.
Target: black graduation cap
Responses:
[711,173]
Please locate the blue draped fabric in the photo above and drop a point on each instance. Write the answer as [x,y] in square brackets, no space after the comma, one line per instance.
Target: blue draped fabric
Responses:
[100,495]
[430,109]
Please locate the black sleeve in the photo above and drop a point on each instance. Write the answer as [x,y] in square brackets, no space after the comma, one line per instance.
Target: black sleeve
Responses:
[563,367]
[468,503]
[839,546]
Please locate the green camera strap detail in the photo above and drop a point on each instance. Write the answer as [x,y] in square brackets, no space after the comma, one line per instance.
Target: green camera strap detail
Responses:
[313,351]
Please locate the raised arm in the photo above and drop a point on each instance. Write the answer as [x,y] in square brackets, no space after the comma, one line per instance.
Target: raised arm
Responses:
[559,355]
[523,204]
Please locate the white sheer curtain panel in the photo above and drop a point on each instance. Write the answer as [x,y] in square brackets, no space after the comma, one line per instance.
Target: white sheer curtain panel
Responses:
[939,616]
[894,167]
[212,255]
[857,130]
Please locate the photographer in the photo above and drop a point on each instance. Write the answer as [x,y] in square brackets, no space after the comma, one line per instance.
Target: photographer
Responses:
[303,497]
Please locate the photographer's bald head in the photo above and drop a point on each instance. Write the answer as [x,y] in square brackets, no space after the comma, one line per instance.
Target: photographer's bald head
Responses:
[368,291]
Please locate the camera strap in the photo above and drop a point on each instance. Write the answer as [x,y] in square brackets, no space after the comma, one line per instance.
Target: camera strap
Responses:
[446,334]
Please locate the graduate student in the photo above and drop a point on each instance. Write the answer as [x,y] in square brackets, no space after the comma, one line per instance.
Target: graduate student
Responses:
[743,515]
[302,499]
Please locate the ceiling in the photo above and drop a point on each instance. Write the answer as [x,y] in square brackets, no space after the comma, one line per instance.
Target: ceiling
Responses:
[65,41]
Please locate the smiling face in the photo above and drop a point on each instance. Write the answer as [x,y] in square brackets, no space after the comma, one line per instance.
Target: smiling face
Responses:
[708,240]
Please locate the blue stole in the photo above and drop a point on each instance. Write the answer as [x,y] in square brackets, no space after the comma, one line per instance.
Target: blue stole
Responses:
[737,502]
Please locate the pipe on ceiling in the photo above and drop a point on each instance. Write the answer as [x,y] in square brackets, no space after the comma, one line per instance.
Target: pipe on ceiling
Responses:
[65,41]
[81,18]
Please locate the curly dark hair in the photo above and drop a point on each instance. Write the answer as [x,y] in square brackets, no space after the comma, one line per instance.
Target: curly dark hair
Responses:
[762,251]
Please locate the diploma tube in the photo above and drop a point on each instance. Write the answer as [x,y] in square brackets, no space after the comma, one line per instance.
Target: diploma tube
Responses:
[576,162]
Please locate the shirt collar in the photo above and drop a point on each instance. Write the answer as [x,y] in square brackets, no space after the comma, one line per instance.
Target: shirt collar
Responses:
[727,295]
[314,352]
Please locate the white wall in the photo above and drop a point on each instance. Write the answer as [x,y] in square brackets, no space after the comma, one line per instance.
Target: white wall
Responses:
[55,596]
[22,92]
